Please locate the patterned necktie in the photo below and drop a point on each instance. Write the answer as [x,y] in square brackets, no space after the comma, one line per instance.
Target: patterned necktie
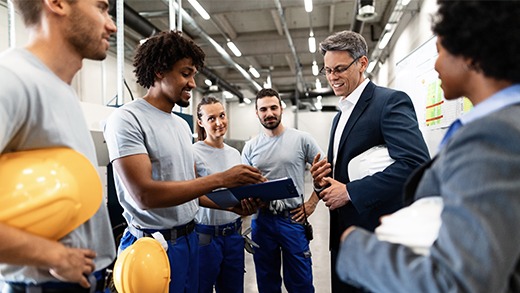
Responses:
[453,128]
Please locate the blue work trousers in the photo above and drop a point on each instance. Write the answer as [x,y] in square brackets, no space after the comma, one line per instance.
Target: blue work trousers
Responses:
[183,254]
[221,263]
[281,240]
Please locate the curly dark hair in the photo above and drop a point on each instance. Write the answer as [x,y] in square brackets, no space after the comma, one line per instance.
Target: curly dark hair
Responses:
[208,100]
[486,32]
[267,93]
[160,52]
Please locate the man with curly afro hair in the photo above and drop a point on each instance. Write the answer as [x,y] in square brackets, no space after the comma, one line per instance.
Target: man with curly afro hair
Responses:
[151,152]
[475,174]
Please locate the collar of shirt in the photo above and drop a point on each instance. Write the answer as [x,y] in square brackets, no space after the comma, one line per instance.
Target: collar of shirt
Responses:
[501,99]
[348,102]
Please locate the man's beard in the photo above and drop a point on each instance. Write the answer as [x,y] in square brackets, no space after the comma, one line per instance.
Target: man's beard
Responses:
[269,125]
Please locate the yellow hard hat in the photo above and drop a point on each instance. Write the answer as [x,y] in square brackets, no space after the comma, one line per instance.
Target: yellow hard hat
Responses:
[48,192]
[142,267]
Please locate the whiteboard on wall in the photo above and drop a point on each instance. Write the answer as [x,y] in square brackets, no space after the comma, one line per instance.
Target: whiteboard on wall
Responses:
[417,77]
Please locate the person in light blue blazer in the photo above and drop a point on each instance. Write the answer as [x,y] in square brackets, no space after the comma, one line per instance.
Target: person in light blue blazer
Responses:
[477,248]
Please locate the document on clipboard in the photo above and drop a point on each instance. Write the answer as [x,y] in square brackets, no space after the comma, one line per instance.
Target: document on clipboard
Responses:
[266,191]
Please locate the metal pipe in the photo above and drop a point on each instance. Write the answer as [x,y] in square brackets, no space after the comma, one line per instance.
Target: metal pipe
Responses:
[194,29]
[179,16]
[299,74]
[120,52]
[133,19]
[171,14]
[142,26]
[11,23]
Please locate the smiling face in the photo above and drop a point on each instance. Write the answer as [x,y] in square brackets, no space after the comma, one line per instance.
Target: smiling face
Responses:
[269,112]
[88,28]
[344,83]
[177,83]
[214,121]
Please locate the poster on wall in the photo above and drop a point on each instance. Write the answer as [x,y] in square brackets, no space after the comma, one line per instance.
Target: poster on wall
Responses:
[417,77]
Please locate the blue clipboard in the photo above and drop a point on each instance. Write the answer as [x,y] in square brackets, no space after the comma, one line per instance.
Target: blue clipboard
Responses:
[266,191]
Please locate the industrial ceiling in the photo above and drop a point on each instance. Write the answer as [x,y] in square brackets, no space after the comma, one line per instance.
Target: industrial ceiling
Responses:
[272,36]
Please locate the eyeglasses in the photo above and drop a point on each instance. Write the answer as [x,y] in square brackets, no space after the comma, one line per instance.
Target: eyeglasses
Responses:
[338,69]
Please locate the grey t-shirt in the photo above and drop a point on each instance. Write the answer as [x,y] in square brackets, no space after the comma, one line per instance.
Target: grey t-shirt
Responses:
[211,160]
[39,110]
[285,155]
[140,128]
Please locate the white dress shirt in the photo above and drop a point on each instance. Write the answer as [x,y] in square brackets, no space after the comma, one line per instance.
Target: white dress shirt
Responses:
[346,105]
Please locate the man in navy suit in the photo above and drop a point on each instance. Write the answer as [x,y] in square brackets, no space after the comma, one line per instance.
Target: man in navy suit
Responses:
[369,116]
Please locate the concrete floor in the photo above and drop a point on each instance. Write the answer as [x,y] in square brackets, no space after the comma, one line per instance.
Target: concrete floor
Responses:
[319,248]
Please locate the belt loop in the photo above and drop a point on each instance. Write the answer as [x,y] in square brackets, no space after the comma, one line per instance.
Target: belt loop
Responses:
[217,232]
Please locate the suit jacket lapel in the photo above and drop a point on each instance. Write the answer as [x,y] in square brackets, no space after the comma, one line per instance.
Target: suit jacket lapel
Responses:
[362,103]
[330,151]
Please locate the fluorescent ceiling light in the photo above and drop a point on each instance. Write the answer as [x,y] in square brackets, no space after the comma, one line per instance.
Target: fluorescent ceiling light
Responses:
[405,2]
[234,49]
[312,44]
[308,5]
[384,40]
[199,9]
[254,72]
[315,69]
[318,84]
[227,95]
[371,66]
[208,82]
[247,101]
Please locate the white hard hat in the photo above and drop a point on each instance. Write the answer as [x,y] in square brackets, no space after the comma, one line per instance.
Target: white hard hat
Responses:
[371,161]
[416,226]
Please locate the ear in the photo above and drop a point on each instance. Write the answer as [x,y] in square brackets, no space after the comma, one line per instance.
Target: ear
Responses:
[159,75]
[364,63]
[468,64]
[200,123]
[59,7]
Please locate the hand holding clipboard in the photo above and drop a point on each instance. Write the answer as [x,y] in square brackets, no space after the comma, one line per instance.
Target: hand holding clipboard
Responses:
[266,191]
